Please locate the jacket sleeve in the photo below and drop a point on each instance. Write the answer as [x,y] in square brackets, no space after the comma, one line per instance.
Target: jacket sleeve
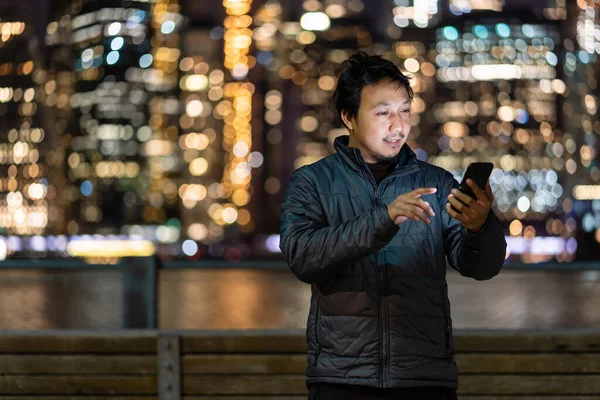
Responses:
[316,250]
[475,255]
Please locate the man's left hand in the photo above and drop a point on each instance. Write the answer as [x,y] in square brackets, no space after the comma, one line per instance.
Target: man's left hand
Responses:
[472,213]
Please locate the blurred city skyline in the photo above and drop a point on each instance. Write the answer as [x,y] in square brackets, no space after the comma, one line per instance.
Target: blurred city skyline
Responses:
[180,122]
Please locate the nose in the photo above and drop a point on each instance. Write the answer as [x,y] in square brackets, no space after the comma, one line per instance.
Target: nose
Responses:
[396,124]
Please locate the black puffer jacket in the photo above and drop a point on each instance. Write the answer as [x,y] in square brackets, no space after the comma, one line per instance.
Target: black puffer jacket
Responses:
[379,313]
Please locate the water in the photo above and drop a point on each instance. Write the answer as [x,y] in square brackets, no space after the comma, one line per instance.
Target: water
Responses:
[258,299]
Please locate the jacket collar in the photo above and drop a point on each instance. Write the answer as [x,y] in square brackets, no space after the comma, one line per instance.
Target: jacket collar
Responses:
[354,159]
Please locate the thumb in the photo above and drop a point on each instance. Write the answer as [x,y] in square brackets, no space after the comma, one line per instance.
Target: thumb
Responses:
[400,220]
[488,191]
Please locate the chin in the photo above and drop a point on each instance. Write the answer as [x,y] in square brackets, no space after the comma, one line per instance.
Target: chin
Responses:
[389,156]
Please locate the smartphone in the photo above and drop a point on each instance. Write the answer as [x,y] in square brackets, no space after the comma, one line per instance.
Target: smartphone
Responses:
[479,172]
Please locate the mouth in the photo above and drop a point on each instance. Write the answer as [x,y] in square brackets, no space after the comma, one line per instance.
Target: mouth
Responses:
[393,143]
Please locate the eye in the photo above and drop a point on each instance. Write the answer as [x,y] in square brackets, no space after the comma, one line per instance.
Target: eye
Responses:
[382,113]
[406,110]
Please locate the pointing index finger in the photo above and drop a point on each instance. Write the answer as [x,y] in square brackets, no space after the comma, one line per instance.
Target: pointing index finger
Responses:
[421,191]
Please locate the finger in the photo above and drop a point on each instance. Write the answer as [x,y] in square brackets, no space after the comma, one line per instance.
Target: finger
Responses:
[461,207]
[479,194]
[414,213]
[456,215]
[422,191]
[421,214]
[427,208]
[423,205]
[400,220]
[488,192]
[468,200]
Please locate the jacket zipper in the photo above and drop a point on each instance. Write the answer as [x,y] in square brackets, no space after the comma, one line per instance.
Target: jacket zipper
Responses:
[372,184]
[385,342]
[384,364]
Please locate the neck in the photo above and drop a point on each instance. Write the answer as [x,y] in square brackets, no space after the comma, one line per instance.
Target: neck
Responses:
[356,144]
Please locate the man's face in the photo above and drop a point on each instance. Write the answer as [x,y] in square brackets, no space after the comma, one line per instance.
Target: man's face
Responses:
[382,124]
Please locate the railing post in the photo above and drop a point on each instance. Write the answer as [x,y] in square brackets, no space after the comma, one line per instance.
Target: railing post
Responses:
[140,292]
[169,367]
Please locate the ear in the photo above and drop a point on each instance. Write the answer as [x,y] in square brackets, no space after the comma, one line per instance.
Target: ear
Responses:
[348,121]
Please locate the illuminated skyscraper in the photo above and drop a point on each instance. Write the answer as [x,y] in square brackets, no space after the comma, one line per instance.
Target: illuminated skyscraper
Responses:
[201,126]
[555,10]
[507,98]
[122,157]
[222,129]
[581,66]
[313,52]
[23,185]
[58,87]
[461,7]
[416,13]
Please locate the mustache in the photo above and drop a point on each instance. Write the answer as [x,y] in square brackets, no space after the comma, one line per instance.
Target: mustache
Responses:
[394,138]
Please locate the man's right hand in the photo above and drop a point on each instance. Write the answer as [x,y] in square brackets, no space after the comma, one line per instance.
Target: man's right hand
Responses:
[410,206]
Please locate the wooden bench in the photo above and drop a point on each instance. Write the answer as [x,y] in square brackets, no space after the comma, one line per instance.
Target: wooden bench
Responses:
[129,365]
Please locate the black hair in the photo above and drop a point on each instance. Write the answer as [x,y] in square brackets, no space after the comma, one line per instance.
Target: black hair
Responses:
[362,70]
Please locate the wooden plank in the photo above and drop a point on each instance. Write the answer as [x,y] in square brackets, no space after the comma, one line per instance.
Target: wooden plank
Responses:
[292,341]
[267,397]
[465,341]
[79,342]
[138,397]
[77,385]
[223,364]
[244,364]
[303,397]
[292,397]
[244,342]
[244,384]
[553,363]
[573,397]
[77,364]
[262,397]
[469,384]
[587,340]
[529,384]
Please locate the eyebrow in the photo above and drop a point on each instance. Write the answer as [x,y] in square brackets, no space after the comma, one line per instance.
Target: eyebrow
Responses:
[386,104]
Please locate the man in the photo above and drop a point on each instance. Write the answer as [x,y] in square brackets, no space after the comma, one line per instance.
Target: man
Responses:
[370,228]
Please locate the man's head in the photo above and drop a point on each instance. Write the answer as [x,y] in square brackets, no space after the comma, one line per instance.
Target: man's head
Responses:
[373,99]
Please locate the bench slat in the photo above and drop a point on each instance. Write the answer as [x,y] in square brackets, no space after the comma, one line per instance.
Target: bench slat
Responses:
[566,397]
[275,397]
[265,397]
[529,384]
[469,384]
[557,363]
[278,342]
[527,341]
[253,342]
[466,341]
[26,397]
[244,364]
[77,385]
[303,397]
[77,364]
[553,363]
[34,342]
[244,384]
